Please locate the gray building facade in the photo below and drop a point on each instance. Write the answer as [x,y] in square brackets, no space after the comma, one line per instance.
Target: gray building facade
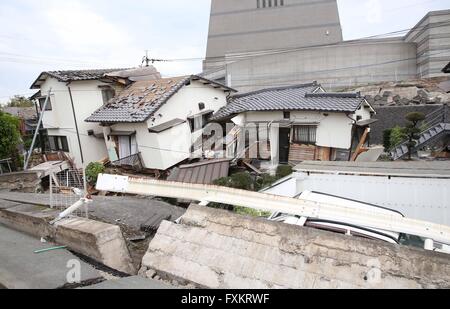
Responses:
[257,44]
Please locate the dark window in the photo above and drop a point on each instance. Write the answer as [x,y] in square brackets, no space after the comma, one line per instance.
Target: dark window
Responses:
[42,102]
[58,143]
[358,118]
[201,106]
[108,94]
[287,115]
[260,4]
[305,134]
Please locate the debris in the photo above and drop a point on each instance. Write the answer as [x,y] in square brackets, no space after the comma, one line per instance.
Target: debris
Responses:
[153,223]
[150,274]
[137,238]
[251,167]
[50,249]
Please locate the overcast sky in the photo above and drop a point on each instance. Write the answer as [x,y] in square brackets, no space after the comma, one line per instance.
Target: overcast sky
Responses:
[40,35]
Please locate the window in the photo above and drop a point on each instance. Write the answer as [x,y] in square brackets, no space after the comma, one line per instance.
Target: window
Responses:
[108,93]
[261,4]
[42,102]
[287,115]
[305,134]
[359,118]
[58,143]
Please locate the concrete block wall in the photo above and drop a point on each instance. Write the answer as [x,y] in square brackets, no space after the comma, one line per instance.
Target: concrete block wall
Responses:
[218,249]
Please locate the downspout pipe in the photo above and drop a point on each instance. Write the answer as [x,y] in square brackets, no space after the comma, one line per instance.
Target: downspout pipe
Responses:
[76,123]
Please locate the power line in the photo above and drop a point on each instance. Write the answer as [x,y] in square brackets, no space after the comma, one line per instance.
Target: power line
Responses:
[18,58]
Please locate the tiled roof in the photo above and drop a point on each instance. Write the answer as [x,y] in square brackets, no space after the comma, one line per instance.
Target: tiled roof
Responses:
[139,101]
[205,172]
[74,75]
[292,98]
[25,113]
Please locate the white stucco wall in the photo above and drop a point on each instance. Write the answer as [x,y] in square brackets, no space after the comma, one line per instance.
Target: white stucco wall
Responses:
[87,98]
[166,149]
[334,130]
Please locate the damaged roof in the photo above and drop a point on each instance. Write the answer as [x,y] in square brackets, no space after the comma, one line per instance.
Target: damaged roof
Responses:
[205,172]
[139,101]
[73,75]
[292,98]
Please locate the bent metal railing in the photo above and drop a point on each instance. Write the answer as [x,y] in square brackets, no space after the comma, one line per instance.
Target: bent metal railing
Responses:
[433,119]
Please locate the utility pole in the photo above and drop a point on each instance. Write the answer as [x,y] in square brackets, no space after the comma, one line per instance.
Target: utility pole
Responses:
[147,60]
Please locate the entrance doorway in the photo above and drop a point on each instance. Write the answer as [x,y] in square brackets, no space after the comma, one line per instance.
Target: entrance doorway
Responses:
[284,142]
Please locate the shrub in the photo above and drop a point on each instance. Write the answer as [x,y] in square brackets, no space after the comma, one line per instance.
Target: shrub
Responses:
[92,172]
[397,136]
[264,181]
[284,171]
[241,180]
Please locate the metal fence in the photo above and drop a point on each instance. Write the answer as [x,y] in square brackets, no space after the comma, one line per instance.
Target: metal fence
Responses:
[67,188]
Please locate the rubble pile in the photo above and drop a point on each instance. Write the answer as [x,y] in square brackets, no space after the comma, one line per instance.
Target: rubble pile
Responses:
[416,92]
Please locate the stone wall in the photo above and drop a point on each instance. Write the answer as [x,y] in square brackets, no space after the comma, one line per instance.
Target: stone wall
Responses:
[391,116]
[27,182]
[218,249]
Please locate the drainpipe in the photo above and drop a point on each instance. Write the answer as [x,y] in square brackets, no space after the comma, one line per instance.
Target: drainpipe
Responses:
[76,124]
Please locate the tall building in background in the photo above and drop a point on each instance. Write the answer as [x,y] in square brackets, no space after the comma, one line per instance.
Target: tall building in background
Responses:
[241,26]
[255,44]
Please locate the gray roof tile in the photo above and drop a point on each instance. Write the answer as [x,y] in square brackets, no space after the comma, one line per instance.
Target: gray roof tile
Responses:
[139,101]
[74,75]
[292,98]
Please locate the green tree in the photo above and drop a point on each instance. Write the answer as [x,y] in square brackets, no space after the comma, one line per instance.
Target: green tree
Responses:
[19,101]
[10,138]
[412,130]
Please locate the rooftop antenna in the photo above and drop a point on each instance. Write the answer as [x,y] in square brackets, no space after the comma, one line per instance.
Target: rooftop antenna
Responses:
[147,60]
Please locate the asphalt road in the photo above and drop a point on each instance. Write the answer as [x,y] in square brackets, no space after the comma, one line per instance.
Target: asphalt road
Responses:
[21,268]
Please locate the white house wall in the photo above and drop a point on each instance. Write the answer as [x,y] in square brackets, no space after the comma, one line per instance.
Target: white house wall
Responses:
[166,149]
[334,130]
[87,97]
[185,103]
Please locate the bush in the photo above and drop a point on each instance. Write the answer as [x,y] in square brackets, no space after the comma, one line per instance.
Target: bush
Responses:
[92,172]
[265,181]
[284,171]
[397,136]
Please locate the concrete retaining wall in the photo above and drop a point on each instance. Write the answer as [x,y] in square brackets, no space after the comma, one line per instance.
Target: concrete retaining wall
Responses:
[27,182]
[99,241]
[217,249]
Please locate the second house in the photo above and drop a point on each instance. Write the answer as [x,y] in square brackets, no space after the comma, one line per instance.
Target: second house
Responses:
[151,124]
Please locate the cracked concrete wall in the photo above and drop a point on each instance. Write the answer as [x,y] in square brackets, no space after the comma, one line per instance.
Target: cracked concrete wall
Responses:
[218,249]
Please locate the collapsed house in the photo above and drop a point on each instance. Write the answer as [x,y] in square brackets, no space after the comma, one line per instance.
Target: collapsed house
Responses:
[298,123]
[75,95]
[151,124]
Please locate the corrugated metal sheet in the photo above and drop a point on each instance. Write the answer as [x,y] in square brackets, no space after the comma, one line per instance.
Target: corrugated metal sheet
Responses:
[205,172]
